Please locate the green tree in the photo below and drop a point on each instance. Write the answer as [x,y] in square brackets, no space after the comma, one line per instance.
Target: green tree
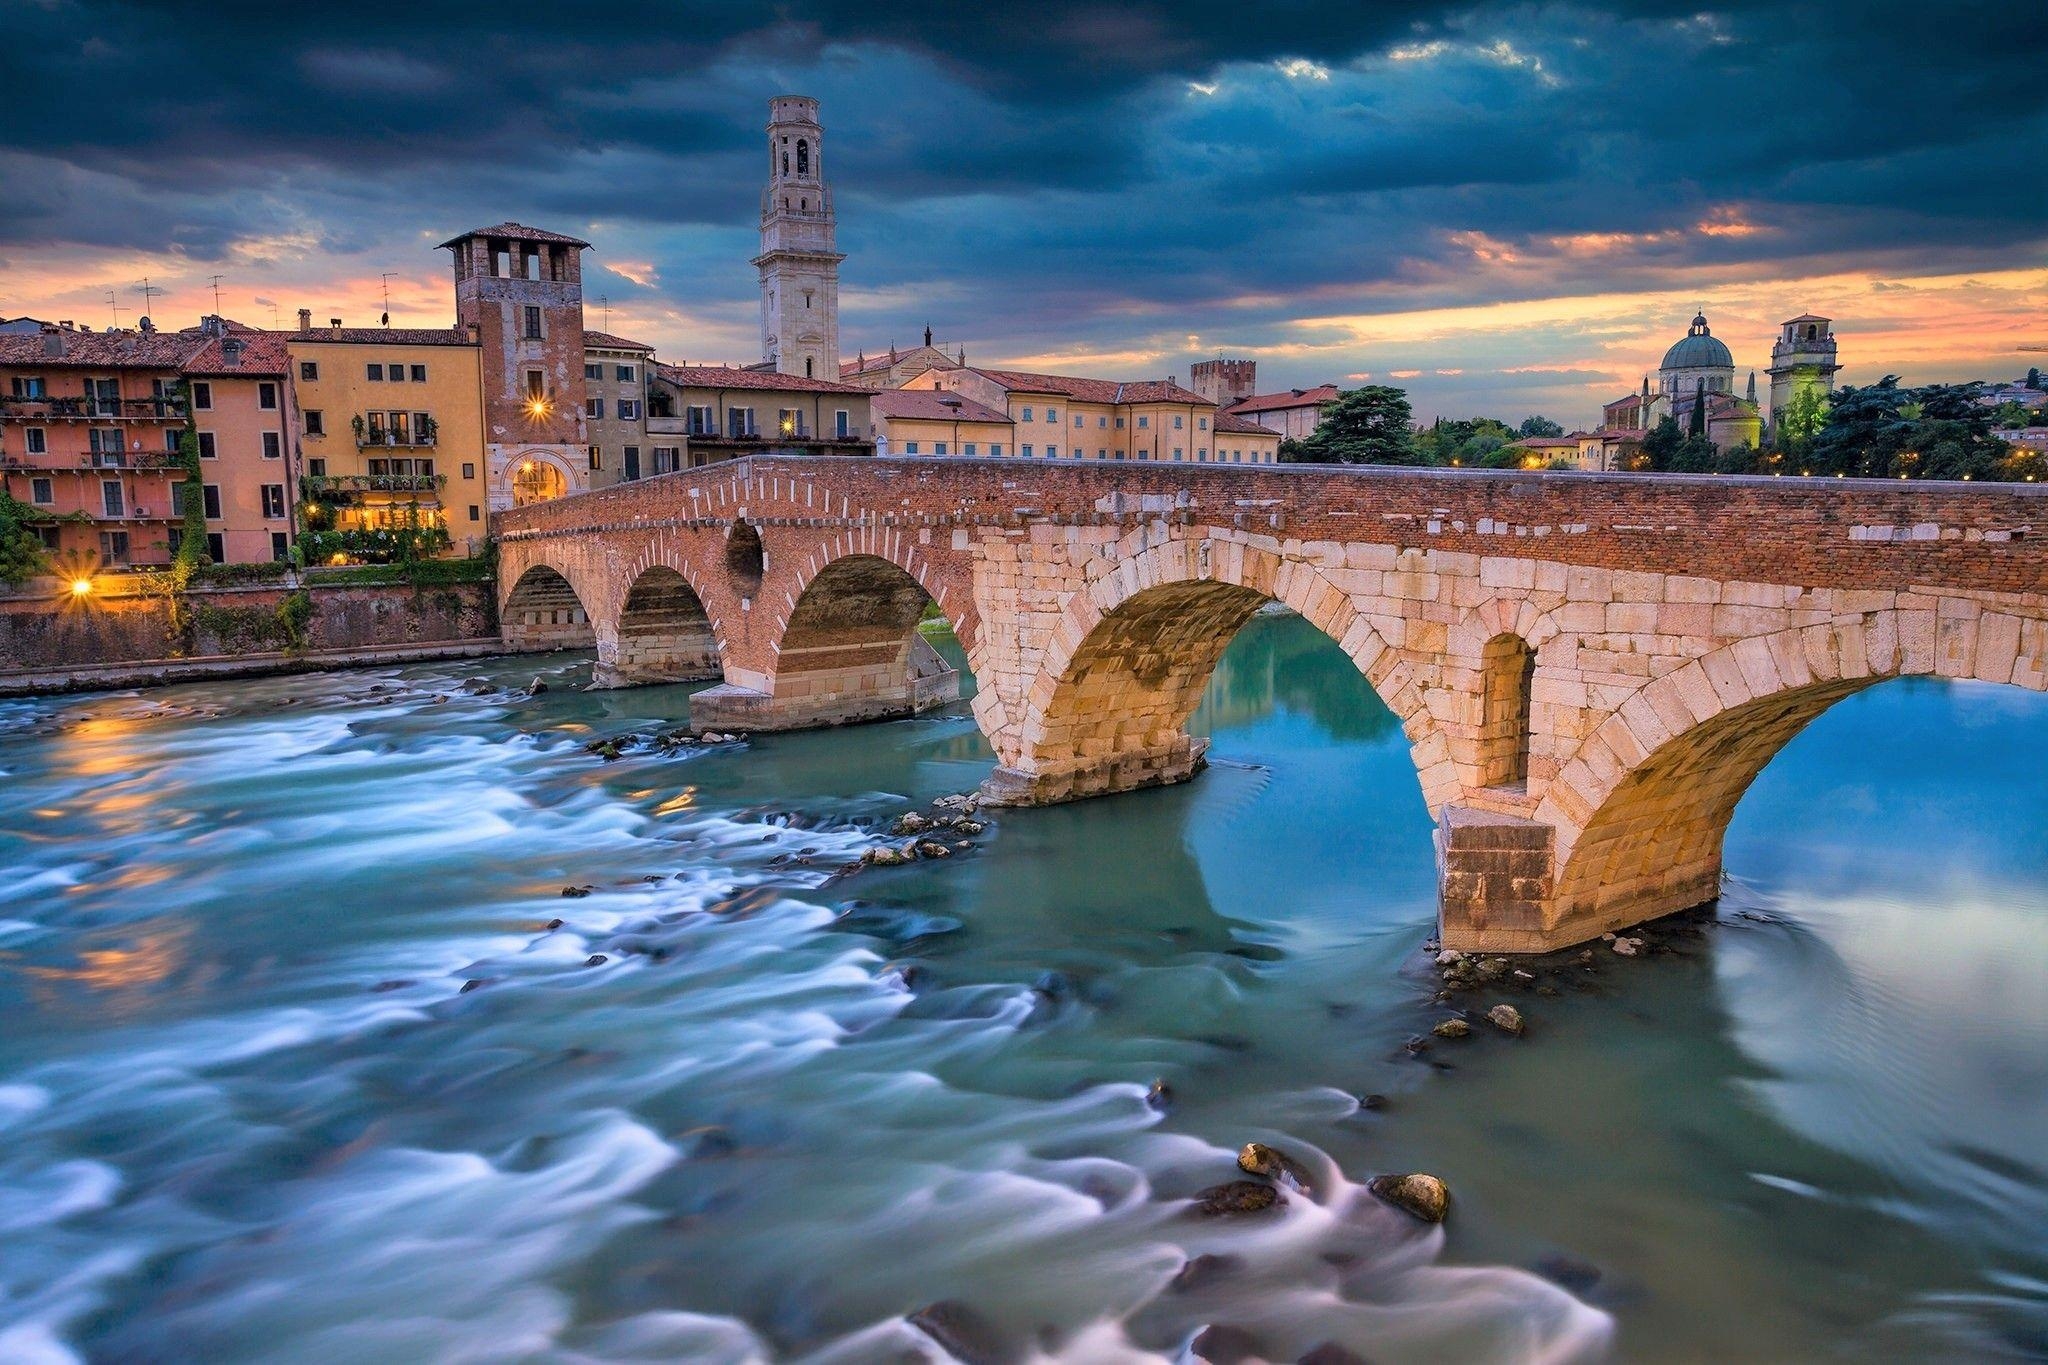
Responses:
[22,556]
[1939,431]
[1539,426]
[1371,424]
[1804,415]
[1699,411]
[1473,442]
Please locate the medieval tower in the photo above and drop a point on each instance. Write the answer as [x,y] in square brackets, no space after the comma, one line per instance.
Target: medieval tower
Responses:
[799,262]
[1803,358]
[1224,382]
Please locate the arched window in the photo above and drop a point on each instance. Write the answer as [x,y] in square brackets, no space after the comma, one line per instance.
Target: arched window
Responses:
[807,367]
[536,481]
[803,157]
[1812,332]
[1509,669]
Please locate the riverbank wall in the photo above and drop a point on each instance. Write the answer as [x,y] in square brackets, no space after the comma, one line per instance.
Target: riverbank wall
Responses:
[122,635]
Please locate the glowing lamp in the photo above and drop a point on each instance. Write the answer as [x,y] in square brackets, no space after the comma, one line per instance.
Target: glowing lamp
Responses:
[81,587]
[536,407]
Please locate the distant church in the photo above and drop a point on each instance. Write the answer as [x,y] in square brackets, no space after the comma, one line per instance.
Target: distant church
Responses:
[799,260]
[1699,372]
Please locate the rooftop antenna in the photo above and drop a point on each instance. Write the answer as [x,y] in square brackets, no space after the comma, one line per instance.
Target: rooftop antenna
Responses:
[216,293]
[273,315]
[386,321]
[149,293]
[114,306]
[604,301]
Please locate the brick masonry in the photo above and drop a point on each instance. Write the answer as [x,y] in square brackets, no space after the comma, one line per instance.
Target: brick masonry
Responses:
[1683,628]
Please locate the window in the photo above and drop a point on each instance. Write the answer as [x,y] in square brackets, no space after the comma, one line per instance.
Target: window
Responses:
[206,450]
[113,498]
[29,387]
[1508,668]
[266,396]
[317,468]
[740,422]
[1144,421]
[280,546]
[1052,452]
[790,421]
[103,397]
[202,394]
[1201,423]
[273,445]
[593,371]
[995,449]
[171,435]
[1176,452]
[803,156]
[209,495]
[593,407]
[395,372]
[468,469]
[374,373]
[532,321]
[1079,420]
[1119,424]
[316,422]
[42,491]
[113,547]
[910,447]
[1178,421]
[842,424]
[1027,452]
[938,447]
[1052,414]
[1102,420]
[501,263]
[38,440]
[273,500]
[597,457]
[700,421]
[631,455]
[967,449]
[536,386]
[309,371]
[629,409]
[474,515]
[216,547]
[1202,453]
[419,374]
[1027,415]
[626,374]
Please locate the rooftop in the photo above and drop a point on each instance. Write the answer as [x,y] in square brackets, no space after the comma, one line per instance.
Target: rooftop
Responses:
[1293,398]
[607,341]
[732,377]
[389,336]
[1094,390]
[261,353]
[95,350]
[517,232]
[936,404]
[1230,421]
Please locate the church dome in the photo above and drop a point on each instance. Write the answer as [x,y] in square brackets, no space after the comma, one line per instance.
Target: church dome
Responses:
[1699,349]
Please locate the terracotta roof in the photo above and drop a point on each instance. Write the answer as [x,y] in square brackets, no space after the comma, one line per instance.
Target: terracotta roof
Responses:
[1293,398]
[395,336]
[732,377]
[609,341]
[226,324]
[1230,421]
[97,350]
[1545,443]
[1094,390]
[263,354]
[517,232]
[936,404]
[882,360]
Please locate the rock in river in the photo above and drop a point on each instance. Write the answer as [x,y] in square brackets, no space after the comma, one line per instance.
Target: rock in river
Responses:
[1422,1195]
[1507,1019]
[1256,1158]
[1453,1028]
[1237,1196]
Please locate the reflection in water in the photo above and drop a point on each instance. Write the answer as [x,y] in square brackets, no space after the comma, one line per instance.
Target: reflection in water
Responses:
[309,1057]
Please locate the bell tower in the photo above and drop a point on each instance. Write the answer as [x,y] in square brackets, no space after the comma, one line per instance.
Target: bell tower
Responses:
[1802,359]
[799,260]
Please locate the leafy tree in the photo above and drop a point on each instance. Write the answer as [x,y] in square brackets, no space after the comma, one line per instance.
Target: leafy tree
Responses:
[2034,377]
[1665,449]
[2009,415]
[1699,411]
[22,556]
[1884,431]
[1539,426]
[1800,422]
[1371,424]
[1474,442]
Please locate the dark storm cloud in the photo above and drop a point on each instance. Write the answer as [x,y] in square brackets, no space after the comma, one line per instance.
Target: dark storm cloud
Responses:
[1083,169]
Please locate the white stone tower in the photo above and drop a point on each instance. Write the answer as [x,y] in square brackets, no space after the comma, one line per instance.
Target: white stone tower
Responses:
[1802,358]
[799,262]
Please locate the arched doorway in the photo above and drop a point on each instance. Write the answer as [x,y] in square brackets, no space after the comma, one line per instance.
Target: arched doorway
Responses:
[536,479]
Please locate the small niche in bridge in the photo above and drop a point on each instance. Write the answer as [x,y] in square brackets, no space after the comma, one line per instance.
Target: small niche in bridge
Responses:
[745,560]
[1510,670]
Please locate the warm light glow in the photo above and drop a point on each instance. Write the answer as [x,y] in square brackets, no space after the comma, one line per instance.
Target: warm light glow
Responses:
[536,407]
[81,587]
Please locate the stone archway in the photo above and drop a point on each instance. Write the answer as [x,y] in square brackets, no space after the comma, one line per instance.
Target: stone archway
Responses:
[544,611]
[664,634]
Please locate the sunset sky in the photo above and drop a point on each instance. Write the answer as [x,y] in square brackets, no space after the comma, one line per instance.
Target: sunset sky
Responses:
[1506,210]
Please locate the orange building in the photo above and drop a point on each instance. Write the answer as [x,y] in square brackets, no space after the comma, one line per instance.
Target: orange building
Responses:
[1057,416]
[89,430]
[242,408]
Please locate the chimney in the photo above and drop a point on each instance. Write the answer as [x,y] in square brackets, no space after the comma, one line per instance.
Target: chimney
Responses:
[231,351]
[305,319]
[334,324]
[53,341]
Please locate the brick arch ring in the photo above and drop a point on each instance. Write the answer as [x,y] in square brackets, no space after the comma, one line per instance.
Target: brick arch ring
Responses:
[663,552]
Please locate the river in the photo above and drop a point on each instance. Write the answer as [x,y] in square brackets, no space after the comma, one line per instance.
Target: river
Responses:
[299,1065]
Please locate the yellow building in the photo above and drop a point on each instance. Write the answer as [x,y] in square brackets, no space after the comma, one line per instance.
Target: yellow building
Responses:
[935,422]
[1067,417]
[390,433]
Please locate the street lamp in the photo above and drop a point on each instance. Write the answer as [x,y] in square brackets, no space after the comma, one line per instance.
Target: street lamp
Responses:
[81,587]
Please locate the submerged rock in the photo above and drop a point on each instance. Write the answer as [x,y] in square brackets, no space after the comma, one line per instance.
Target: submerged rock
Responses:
[965,1334]
[1256,1158]
[1628,947]
[577,893]
[1202,1271]
[1424,1196]
[1331,1353]
[910,822]
[1224,1344]
[1569,1273]
[1237,1197]
[1507,1019]
[884,856]
[1159,1097]
[1453,1028]
[930,848]
[536,687]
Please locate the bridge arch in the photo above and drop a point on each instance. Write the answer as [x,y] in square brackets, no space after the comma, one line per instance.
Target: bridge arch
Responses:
[664,633]
[1108,709]
[544,610]
[1642,809]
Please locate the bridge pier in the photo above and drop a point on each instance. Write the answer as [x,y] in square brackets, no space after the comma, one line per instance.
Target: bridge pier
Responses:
[915,680]
[1081,778]
[1493,882]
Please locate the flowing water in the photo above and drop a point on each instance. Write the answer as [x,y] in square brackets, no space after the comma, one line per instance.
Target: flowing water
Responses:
[297,1064]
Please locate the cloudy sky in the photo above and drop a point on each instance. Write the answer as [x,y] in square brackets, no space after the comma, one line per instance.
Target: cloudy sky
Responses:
[1508,209]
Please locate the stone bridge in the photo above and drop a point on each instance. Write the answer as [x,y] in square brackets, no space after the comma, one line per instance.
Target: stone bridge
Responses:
[1590,669]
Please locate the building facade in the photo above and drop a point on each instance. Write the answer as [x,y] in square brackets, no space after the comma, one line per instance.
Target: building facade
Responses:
[521,290]
[1295,414]
[391,430]
[1224,382]
[616,373]
[90,424]
[1067,416]
[1803,360]
[244,415]
[892,368]
[799,260]
[937,422]
[701,414]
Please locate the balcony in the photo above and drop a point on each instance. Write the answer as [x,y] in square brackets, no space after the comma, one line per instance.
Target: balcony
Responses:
[170,408]
[51,463]
[347,487]
[375,436]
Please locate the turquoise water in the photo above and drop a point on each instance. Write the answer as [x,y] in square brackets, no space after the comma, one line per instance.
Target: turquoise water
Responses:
[248,1109]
